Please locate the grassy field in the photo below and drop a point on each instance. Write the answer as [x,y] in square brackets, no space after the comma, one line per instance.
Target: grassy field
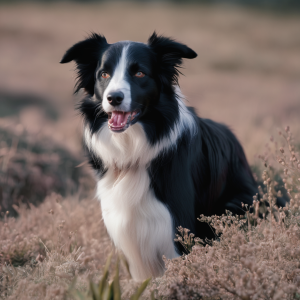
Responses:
[246,75]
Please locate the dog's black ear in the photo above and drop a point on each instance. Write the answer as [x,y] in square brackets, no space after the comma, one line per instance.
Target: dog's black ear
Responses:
[86,55]
[169,54]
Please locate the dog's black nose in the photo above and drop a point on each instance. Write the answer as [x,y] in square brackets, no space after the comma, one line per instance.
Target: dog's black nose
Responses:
[115,98]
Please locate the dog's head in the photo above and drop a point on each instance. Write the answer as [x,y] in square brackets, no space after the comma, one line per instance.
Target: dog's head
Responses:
[127,77]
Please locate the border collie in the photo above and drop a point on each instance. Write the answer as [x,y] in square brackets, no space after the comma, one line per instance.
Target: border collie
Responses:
[158,165]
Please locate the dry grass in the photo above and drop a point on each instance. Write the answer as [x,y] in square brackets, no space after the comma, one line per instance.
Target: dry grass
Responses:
[246,75]
[47,247]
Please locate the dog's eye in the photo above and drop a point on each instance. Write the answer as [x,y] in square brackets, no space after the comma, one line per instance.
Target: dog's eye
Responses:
[139,74]
[105,75]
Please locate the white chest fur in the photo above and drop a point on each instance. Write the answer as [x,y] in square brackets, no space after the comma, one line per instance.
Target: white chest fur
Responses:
[139,224]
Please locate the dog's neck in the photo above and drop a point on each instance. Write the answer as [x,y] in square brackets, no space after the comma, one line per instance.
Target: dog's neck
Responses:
[131,149]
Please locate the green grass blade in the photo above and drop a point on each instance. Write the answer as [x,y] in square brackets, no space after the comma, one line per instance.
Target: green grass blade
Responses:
[110,293]
[103,280]
[140,290]
[124,260]
[93,291]
[116,283]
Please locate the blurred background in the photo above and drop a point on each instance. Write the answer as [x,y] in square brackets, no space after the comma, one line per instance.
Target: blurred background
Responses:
[246,75]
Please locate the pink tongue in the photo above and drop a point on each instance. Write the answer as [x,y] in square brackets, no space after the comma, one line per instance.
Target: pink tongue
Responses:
[119,118]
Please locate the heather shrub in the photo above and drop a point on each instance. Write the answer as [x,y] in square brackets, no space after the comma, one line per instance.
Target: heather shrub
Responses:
[57,241]
[31,168]
[12,104]
[59,249]
[253,258]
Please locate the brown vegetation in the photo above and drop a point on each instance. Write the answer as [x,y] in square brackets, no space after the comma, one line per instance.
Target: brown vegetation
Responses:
[47,247]
[246,75]
[33,167]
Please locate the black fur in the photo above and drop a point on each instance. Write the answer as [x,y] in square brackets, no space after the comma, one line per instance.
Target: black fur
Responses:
[169,56]
[95,117]
[86,54]
[207,174]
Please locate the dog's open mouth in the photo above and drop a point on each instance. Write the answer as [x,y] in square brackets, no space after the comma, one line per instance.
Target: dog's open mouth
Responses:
[119,121]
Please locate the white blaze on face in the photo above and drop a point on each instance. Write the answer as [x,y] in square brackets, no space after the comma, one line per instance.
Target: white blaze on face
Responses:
[118,83]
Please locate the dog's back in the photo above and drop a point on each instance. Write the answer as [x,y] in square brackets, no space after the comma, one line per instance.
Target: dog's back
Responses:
[208,173]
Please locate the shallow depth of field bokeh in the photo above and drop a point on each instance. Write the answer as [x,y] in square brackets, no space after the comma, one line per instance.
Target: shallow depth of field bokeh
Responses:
[246,75]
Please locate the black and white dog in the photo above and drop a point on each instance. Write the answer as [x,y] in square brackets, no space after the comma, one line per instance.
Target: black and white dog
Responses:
[158,165]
